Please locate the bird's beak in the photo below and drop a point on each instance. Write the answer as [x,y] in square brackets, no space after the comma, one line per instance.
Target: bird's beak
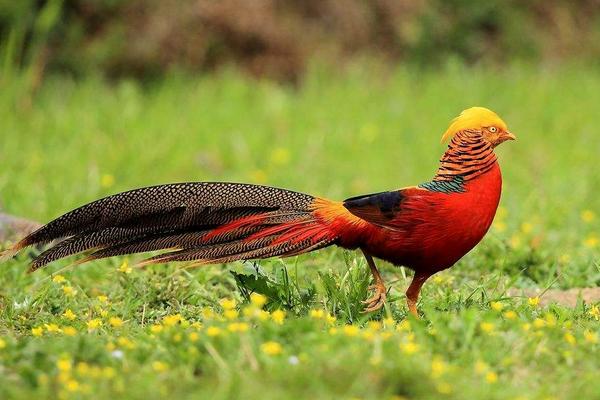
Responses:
[509,136]
[504,136]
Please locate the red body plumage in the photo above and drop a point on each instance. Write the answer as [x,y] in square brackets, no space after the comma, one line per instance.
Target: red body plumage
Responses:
[433,230]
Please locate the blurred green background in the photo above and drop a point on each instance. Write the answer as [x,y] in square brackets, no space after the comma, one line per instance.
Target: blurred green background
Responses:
[278,39]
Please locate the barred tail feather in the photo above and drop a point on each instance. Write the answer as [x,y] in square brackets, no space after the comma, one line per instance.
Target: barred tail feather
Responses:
[201,222]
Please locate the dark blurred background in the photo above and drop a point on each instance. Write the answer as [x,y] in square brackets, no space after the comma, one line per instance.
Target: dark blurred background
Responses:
[277,39]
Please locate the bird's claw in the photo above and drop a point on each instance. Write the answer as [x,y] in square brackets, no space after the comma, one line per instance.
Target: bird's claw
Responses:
[375,302]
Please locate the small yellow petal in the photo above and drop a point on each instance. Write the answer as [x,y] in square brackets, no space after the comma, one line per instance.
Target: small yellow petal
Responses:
[588,216]
[534,301]
[256,299]
[491,377]
[271,348]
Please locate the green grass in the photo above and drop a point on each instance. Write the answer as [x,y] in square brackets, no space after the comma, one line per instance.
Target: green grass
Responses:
[362,131]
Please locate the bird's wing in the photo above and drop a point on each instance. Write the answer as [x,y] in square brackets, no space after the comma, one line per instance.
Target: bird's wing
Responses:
[384,209]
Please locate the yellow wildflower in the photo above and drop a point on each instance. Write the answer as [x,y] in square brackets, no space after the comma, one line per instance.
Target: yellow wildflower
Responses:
[102,299]
[172,320]
[591,241]
[231,314]
[108,372]
[564,259]
[330,319]
[438,367]
[550,320]
[333,331]
[539,323]
[374,325]
[257,300]
[271,348]
[69,291]
[94,324]
[280,156]
[588,216]
[570,338]
[83,368]
[207,313]
[238,327]
[193,336]
[534,301]
[595,312]
[389,322]
[160,366]
[213,331]
[510,314]
[317,314]
[2,343]
[487,327]
[64,364]
[72,385]
[156,328]
[481,367]
[403,326]
[125,268]
[228,304]
[491,377]
[278,316]
[125,343]
[52,328]
[107,180]
[351,330]
[38,331]
[70,315]
[368,335]
[196,325]
[409,347]
[58,279]
[526,227]
[496,306]
[69,331]
[590,337]
[254,312]
[499,226]
[115,322]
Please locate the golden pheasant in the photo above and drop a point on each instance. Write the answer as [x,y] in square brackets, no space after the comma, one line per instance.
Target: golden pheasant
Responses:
[427,228]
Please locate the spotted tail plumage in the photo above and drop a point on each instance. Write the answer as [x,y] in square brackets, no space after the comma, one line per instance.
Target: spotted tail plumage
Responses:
[198,222]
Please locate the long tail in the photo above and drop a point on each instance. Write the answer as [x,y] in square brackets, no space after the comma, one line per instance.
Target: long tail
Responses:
[201,222]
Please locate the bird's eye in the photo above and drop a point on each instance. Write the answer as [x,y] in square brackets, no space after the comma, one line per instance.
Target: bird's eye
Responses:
[492,129]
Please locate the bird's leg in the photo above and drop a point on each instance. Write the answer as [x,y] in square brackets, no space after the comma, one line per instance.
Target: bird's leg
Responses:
[412,293]
[376,302]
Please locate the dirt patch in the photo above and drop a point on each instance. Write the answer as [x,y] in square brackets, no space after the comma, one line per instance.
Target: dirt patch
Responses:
[13,228]
[567,298]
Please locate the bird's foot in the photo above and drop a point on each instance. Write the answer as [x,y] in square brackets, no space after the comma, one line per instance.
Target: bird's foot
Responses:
[375,302]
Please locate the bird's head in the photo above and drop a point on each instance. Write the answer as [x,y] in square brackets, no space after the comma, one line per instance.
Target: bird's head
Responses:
[481,119]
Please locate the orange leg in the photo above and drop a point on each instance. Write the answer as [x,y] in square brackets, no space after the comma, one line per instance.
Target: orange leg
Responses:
[412,293]
[375,302]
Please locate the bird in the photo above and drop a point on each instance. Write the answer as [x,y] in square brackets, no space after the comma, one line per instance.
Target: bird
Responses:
[426,228]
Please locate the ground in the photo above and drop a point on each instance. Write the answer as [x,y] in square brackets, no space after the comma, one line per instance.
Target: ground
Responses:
[293,328]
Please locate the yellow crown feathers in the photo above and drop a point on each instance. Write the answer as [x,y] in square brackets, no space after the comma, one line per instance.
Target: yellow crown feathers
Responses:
[473,118]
